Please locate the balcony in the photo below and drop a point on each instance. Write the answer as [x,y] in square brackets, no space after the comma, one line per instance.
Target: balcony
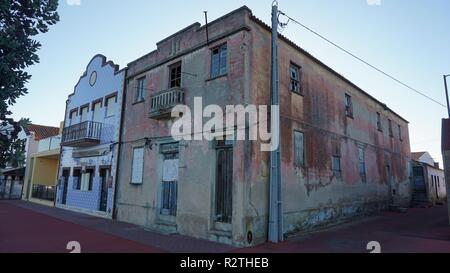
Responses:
[83,134]
[162,103]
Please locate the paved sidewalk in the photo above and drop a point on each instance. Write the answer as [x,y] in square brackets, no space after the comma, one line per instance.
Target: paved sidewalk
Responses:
[420,230]
[29,227]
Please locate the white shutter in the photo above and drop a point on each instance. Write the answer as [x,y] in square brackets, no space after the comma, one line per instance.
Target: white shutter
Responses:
[138,166]
[97,116]
[170,170]
[111,106]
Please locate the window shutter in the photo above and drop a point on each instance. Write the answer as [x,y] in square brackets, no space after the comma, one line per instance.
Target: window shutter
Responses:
[138,166]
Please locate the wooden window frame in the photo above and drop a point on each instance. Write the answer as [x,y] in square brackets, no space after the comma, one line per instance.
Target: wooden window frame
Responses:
[219,73]
[172,66]
[298,81]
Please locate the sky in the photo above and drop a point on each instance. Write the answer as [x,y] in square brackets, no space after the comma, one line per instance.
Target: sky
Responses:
[406,38]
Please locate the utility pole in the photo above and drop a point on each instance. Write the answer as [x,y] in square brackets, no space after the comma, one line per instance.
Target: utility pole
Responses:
[275,233]
[446,146]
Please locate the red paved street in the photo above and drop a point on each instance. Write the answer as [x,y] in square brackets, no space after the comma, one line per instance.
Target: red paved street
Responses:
[27,227]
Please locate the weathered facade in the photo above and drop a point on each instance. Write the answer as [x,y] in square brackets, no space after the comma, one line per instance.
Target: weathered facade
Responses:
[90,140]
[344,154]
[428,180]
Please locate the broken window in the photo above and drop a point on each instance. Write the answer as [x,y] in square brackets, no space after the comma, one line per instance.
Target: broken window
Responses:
[140,90]
[175,75]
[391,132]
[336,159]
[137,168]
[224,180]
[348,106]
[219,61]
[299,154]
[379,127]
[294,72]
[362,163]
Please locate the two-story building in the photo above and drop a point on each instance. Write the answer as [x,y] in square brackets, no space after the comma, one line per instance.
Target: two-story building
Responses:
[428,180]
[344,153]
[90,140]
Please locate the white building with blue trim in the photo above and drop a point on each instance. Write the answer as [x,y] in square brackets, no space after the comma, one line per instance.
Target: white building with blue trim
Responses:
[90,140]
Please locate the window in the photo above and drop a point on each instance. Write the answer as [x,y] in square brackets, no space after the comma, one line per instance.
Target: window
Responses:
[348,106]
[400,133]
[219,61]
[299,154]
[111,105]
[86,180]
[72,117]
[97,112]
[336,159]
[175,75]
[176,46]
[77,179]
[391,132]
[137,169]
[362,163]
[379,127]
[84,113]
[294,72]
[140,90]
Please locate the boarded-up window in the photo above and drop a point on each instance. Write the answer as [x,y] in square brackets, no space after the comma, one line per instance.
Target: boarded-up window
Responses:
[111,106]
[362,163]
[348,105]
[299,144]
[336,159]
[140,90]
[391,131]
[219,61]
[84,113]
[97,112]
[137,169]
[379,126]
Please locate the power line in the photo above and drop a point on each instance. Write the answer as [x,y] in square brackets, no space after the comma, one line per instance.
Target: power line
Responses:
[360,59]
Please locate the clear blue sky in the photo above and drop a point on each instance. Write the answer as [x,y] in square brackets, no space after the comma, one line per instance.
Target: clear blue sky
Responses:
[407,38]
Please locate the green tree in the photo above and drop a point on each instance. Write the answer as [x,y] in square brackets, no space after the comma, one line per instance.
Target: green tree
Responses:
[20,22]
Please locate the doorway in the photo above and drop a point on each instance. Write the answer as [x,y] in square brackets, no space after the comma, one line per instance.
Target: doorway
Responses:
[224,181]
[65,183]
[169,192]
[104,179]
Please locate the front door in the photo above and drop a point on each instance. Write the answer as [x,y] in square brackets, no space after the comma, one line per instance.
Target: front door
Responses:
[104,176]
[169,184]
[420,190]
[224,181]
[65,182]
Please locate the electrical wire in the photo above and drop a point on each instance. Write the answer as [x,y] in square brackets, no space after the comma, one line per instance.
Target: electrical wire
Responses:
[290,19]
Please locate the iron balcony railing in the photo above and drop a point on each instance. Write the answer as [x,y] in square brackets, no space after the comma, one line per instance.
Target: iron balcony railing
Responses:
[82,134]
[161,103]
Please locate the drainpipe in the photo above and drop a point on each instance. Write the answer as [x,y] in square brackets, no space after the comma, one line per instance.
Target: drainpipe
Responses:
[122,111]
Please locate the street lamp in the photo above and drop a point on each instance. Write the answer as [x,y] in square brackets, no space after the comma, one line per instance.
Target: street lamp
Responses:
[446,94]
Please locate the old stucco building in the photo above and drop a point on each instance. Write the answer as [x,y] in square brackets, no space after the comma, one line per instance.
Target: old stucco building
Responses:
[90,140]
[344,153]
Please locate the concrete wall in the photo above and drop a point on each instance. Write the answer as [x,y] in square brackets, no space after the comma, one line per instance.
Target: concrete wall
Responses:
[436,191]
[109,81]
[312,197]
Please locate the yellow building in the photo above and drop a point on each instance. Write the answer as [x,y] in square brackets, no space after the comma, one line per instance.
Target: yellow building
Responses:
[43,171]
